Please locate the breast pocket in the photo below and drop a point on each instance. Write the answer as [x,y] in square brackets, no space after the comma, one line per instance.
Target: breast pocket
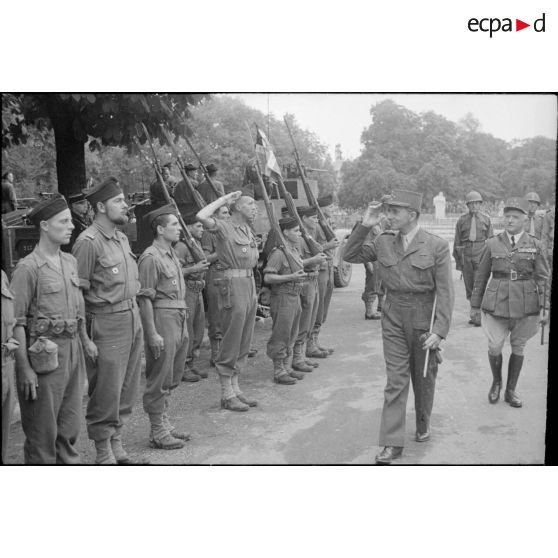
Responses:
[525,263]
[500,262]
[422,266]
[243,250]
[169,281]
[112,270]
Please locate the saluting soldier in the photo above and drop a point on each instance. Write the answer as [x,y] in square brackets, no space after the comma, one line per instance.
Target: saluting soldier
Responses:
[205,188]
[511,302]
[164,316]
[415,267]
[534,221]
[471,232]
[108,275]
[235,246]
[155,192]
[194,274]
[285,273]
[214,271]
[325,277]
[9,345]
[50,330]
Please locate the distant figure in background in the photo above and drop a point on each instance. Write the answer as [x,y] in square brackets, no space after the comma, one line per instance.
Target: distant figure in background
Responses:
[205,188]
[534,221]
[9,200]
[440,206]
[157,196]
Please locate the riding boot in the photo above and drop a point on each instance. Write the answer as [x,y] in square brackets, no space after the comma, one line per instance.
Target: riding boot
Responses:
[514,368]
[496,367]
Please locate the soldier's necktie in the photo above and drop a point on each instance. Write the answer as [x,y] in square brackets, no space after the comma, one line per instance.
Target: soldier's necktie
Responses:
[532,229]
[473,230]
[513,241]
[405,242]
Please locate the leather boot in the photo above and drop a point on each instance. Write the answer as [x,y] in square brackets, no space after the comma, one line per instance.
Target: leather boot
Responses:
[239,395]
[189,375]
[214,344]
[328,350]
[369,313]
[104,453]
[122,458]
[311,363]
[514,368]
[496,367]
[280,375]
[312,351]
[160,437]
[234,404]
[173,431]
[299,362]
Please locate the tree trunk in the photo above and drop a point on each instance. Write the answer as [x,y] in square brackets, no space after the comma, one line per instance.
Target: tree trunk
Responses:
[70,156]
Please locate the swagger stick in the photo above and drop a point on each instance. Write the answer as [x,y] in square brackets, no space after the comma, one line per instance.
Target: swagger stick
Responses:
[543,314]
[430,331]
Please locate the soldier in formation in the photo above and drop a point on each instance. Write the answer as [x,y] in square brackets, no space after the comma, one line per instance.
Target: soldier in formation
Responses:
[534,221]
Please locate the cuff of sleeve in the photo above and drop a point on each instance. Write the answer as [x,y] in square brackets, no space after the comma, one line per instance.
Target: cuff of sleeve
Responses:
[270,270]
[84,284]
[21,321]
[439,333]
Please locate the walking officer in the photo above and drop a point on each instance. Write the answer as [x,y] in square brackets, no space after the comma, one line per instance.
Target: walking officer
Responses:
[510,303]
[164,315]
[235,246]
[50,330]
[534,221]
[415,267]
[471,232]
[108,275]
[284,272]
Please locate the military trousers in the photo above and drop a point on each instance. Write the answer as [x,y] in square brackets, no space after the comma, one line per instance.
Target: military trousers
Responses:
[8,400]
[309,310]
[196,322]
[212,297]
[238,306]
[497,330]
[164,374]
[285,313]
[325,291]
[403,322]
[114,378]
[372,284]
[52,422]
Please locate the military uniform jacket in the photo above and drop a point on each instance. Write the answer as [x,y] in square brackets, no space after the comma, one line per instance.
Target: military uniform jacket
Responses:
[235,244]
[462,244]
[160,274]
[520,293]
[425,267]
[107,268]
[279,264]
[186,260]
[537,221]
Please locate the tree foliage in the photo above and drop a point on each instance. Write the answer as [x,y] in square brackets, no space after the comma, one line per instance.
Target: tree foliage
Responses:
[428,153]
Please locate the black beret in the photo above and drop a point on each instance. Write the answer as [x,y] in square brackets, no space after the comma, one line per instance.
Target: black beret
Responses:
[164,210]
[105,191]
[211,168]
[168,165]
[190,218]
[288,223]
[305,210]
[44,210]
[190,167]
[326,200]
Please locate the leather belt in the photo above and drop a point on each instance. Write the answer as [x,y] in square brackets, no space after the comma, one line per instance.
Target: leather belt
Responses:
[239,272]
[127,304]
[175,304]
[511,275]
[408,296]
[290,288]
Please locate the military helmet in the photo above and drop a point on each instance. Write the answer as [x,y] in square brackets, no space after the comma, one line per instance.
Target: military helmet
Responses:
[473,196]
[533,196]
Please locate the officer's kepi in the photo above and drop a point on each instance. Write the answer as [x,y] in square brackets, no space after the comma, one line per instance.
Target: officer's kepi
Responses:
[47,209]
[405,198]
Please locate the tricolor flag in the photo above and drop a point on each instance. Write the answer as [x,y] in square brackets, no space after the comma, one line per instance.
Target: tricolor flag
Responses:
[263,147]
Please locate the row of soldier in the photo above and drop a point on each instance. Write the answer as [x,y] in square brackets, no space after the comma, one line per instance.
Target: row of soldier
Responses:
[93,312]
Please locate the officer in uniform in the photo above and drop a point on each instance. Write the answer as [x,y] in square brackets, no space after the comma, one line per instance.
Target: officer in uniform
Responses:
[50,330]
[284,272]
[325,277]
[164,316]
[108,275]
[471,232]
[235,245]
[415,267]
[511,302]
[534,221]
[182,196]
[9,345]
[205,188]
[215,271]
[194,274]
[157,196]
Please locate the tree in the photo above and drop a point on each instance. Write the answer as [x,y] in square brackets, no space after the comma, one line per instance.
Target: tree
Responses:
[104,118]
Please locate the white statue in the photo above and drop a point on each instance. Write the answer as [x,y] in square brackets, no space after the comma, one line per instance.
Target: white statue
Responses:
[440,206]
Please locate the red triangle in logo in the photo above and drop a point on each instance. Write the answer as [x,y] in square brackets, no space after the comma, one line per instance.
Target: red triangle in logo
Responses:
[519,25]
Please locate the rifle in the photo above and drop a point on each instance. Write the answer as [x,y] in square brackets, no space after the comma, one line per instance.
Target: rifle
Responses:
[543,314]
[195,249]
[326,227]
[204,170]
[196,196]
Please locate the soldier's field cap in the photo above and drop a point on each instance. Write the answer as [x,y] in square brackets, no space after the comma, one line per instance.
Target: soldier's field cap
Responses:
[168,165]
[406,198]
[326,200]
[285,212]
[517,203]
[47,209]
[533,196]
[288,223]
[105,191]
[164,210]
[211,168]
[190,167]
[306,211]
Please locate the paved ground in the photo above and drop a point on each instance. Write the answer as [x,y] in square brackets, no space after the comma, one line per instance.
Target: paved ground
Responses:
[333,415]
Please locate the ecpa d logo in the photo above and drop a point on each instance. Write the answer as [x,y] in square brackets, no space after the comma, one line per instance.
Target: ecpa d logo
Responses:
[492,25]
